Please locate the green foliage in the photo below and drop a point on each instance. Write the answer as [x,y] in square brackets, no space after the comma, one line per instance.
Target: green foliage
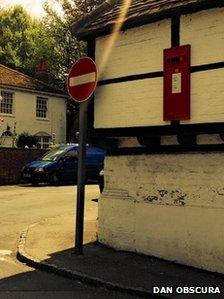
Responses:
[75,9]
[62,44]
[26,139]
[24,40]
[17,43]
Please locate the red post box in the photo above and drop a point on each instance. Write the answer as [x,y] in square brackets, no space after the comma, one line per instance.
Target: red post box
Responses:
[176,83]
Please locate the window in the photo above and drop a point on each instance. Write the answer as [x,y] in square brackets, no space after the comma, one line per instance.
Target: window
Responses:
[43,139]
[43,142]
[72,153]
[41,107]
[6,102]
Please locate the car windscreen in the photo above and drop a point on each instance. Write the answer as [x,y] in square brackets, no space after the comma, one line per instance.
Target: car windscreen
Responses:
[53,155]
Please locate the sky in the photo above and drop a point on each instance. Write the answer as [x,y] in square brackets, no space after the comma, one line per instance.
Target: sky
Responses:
[33,7]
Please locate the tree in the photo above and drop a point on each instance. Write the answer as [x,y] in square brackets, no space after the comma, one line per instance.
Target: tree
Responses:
[24,40]
[27,140]
[18,32]
[68,48]
[75,9]
[65,47]
[57,28]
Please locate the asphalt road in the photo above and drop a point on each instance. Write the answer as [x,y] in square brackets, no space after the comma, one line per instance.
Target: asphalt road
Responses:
[21,206]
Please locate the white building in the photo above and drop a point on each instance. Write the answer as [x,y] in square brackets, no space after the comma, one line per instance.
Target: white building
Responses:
[166,201]
[29,105]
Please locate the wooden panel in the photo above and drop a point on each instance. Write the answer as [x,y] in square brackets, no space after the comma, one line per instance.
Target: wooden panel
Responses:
[204,31]
[207,97]
[136,51]
[130,104]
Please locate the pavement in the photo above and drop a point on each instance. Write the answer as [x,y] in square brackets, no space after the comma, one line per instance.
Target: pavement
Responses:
[49,245]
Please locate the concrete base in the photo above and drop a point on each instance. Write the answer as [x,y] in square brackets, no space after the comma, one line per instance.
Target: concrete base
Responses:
[168,205]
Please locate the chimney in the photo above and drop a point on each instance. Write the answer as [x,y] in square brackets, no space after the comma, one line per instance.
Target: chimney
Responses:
[42,73]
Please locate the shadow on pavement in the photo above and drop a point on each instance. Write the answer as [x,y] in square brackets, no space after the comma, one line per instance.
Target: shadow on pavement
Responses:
[39,284]
[134,271]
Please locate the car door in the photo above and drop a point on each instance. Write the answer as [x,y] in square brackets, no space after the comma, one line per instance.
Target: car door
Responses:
[69,165]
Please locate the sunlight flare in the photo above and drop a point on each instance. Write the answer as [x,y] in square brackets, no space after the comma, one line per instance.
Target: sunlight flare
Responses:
[112,39]
[33,7]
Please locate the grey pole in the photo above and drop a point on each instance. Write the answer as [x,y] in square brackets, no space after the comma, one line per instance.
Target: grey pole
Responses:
[81,178]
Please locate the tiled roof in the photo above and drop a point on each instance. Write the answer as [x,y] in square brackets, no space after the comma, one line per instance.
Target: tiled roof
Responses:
[139,12]
[15,79]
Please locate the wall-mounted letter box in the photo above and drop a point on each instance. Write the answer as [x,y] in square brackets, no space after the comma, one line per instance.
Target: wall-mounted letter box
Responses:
[176,83]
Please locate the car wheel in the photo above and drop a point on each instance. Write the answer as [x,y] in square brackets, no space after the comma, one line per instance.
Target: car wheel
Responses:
[55,179]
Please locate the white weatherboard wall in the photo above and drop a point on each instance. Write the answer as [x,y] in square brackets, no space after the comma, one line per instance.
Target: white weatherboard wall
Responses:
[207,96]
[139,51]
[136,51]
[24,114]
[204,31]
[129,104]
[168,205]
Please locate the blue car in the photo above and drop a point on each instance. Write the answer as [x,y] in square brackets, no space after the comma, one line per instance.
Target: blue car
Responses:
[61,165]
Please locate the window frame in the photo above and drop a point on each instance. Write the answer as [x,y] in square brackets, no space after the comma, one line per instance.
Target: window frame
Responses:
[40,110]
[41,142]
[12,94]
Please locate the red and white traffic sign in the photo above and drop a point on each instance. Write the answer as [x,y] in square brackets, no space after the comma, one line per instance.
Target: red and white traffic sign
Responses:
[82,79]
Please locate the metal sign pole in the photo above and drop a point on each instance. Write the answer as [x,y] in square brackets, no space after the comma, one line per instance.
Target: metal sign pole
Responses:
[83,69]
[81,178]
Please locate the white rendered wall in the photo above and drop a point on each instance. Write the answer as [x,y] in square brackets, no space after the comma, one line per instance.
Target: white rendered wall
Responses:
[170,206]
[24,114]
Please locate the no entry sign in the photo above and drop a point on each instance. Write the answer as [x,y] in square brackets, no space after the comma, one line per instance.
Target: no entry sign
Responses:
[82,79]
[81,83]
